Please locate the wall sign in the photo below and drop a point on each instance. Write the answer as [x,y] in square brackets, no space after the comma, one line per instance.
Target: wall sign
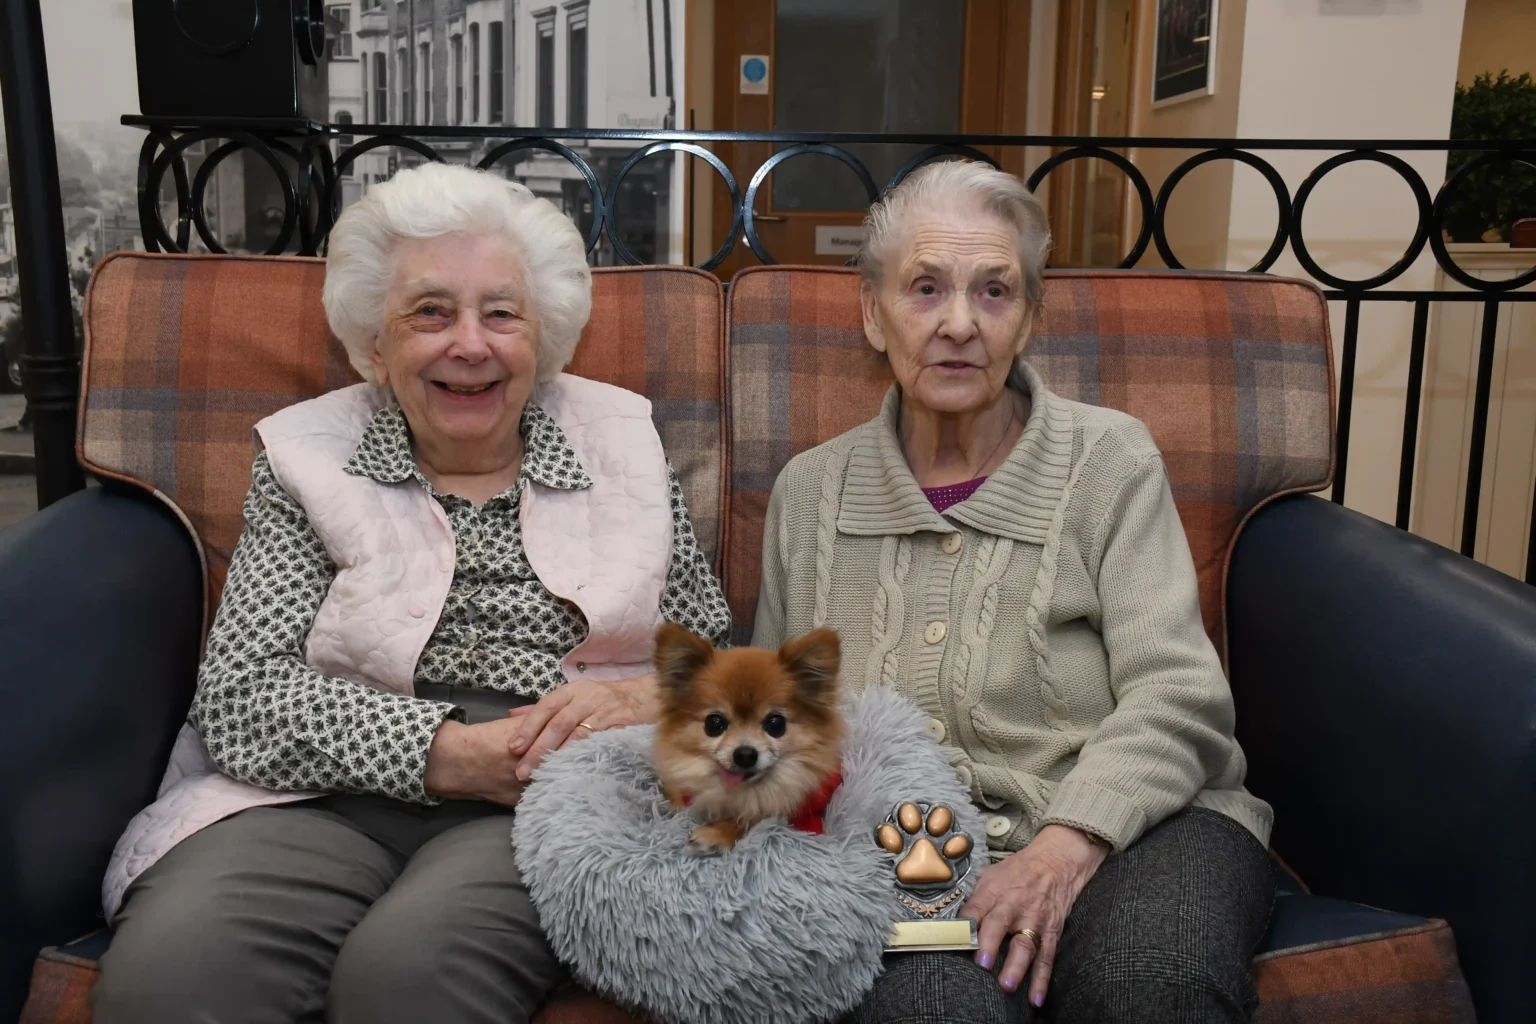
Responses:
[839,239]
[754,74]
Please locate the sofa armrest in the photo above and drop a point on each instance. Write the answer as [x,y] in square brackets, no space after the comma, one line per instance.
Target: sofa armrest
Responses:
[100,627]
[1386,698]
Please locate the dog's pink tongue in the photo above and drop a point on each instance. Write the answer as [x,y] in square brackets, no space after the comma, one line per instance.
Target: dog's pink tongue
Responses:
[731,778]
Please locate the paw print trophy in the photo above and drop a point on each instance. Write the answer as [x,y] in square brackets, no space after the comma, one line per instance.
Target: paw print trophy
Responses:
[933,860]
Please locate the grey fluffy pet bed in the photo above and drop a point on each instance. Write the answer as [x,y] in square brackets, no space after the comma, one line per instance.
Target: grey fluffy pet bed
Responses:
[787,927]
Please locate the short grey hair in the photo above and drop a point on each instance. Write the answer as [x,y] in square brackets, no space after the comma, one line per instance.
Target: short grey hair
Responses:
[438,199]
[940,185]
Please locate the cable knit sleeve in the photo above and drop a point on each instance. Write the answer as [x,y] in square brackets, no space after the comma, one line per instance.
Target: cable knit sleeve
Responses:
[1171,729]
[768,630]
[692,597]
[256,696]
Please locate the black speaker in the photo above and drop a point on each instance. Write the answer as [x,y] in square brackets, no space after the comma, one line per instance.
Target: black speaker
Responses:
[231,58]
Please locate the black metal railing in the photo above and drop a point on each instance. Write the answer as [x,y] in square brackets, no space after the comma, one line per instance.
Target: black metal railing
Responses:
[310,175]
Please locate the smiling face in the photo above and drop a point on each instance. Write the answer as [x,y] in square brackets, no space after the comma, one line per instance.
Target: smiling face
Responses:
[459,346]
[949,311]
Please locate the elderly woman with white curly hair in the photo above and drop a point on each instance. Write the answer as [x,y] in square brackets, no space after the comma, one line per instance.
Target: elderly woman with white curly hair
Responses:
[446,572]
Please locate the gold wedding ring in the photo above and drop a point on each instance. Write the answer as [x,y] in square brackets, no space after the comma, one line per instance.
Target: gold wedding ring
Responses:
[1032,935]
[584,725]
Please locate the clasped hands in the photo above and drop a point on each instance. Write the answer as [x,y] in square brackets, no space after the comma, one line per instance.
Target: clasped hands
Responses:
[493,761]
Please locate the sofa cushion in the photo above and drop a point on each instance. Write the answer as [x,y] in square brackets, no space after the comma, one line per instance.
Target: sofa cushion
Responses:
[185,353]
[1231,373]
[1323,961]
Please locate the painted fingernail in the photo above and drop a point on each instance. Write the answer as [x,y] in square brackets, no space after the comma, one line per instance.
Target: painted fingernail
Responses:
[1010,983]
[1038,999]
[985,959]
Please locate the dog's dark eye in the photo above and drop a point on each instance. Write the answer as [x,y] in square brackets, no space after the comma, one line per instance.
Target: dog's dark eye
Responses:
[774,725]
[715,724]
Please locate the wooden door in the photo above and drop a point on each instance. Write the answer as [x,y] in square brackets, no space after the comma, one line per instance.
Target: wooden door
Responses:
[938,67]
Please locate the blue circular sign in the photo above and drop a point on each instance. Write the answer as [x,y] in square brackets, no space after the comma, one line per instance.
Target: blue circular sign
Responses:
[754,70]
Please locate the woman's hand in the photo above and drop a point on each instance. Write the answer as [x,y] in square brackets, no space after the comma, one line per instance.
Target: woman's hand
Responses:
[473,762]
[1034,888]
[576,710]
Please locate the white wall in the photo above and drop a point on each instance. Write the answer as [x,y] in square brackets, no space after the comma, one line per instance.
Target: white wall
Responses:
[1308,72]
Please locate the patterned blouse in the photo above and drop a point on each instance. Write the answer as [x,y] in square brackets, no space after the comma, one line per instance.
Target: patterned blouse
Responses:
[271,720]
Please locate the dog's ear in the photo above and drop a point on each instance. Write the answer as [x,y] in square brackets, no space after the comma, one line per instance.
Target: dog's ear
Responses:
[813,662]
[680,655]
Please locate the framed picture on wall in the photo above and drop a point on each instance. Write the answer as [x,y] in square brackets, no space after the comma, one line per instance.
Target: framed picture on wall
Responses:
[1184,61]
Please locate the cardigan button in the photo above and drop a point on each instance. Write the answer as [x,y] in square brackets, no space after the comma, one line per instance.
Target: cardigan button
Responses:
[964,775]
[581,666]
[951,543]
[935,632]
[417,611]
[935,728]
[998,826]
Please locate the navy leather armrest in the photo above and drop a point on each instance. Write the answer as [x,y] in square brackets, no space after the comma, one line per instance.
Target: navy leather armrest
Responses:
[1386,698]
[100,626]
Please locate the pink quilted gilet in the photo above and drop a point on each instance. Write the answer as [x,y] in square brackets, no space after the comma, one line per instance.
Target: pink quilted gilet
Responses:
[606,549]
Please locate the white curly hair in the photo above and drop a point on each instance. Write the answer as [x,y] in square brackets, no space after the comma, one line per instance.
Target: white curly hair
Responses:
[940,186]
[438,199]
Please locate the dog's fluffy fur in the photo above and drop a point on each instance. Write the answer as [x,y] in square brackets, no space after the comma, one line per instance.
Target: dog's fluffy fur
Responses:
[745,734]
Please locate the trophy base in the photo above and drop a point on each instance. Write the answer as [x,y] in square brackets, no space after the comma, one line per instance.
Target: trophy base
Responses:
[949,936]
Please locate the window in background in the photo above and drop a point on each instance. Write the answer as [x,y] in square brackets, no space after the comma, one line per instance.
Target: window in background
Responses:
[456,52]
[498,76]
[424,57]
[343,141]
[402,75]
[338,25]
[576,69]
[474,74]
[380,88]
[545,71]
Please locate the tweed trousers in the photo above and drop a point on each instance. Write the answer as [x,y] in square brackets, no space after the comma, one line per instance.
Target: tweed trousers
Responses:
[1163,932]
[352,909]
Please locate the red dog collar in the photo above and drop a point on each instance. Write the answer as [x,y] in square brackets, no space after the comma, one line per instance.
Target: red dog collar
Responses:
[808,816]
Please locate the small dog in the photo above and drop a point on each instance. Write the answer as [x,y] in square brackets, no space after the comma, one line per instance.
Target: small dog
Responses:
[748,734]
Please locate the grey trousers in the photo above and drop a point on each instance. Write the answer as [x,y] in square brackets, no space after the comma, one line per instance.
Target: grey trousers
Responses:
[351,909]
[1164,932]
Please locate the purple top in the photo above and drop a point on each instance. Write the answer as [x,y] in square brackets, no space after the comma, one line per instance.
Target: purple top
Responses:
[954,494]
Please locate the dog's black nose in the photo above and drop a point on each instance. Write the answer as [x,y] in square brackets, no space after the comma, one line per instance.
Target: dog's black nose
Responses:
[745,757]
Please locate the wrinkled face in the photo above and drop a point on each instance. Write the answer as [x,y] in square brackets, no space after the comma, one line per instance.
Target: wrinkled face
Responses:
[459,344]
[950,311]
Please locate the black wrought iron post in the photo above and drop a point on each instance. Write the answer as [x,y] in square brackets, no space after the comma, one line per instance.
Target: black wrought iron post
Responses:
[50,364]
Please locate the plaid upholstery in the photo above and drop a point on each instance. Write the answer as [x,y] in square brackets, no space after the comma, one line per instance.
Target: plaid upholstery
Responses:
[62,982]
[185,353]
[1409,975]
[1230,372]
[1406,977]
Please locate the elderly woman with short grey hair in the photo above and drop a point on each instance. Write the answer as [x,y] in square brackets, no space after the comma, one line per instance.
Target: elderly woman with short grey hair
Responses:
[445,573]
[1013,562]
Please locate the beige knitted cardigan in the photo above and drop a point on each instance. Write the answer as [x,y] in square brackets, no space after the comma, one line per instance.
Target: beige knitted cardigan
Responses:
[1049,624]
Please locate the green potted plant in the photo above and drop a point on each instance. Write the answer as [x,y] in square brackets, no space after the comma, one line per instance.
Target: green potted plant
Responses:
[1488,201]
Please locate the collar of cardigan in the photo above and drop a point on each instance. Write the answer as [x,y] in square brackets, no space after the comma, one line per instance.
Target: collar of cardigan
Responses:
[880,496]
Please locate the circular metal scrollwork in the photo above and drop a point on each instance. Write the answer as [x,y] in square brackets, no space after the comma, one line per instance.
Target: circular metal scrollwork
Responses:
[1437,224]
[330,201]
[761,175]
[1420,234]
[610,205]
[189,201]
[933,153]
[1130,170]
[1276,183]
[587,174]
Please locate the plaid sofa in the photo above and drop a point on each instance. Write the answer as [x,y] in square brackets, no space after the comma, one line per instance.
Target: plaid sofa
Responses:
[1231,373]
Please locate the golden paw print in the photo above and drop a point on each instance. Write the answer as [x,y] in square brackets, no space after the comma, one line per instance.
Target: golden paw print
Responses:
[932,853]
